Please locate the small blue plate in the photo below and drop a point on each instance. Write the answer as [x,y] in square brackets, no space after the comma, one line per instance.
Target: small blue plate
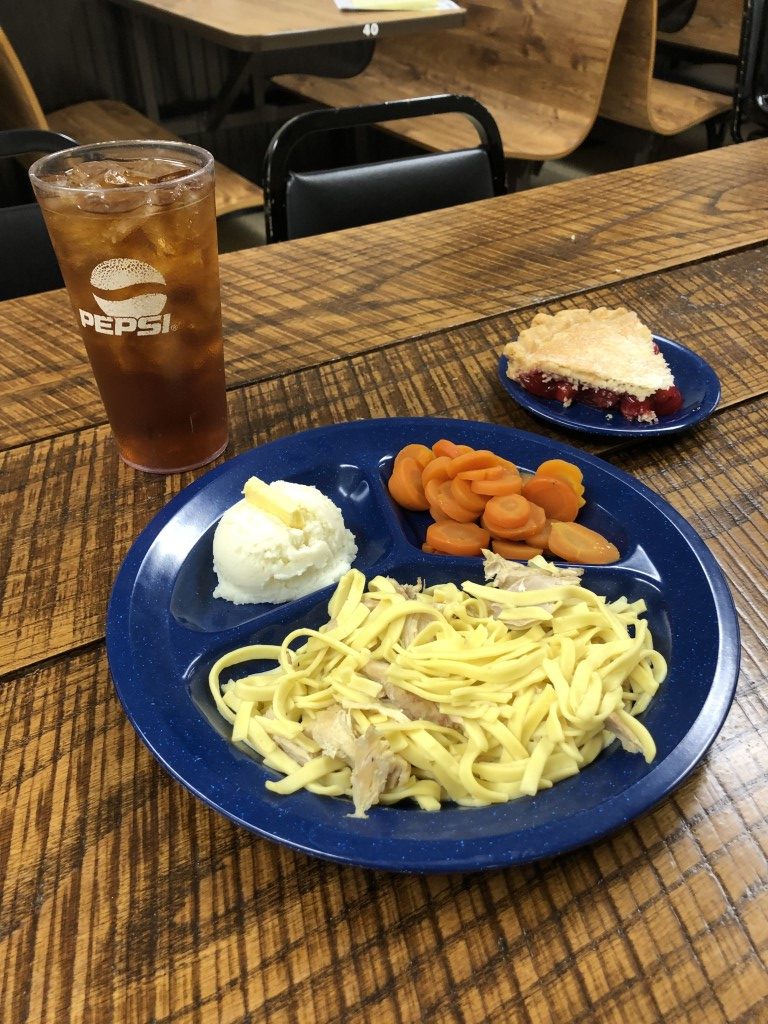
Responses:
[696,379]
[164,631]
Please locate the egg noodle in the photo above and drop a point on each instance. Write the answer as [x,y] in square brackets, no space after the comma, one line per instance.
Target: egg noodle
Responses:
[475,695]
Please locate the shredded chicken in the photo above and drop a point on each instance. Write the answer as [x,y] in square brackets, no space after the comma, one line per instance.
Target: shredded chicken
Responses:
[376,669]
[508,575]
[628,740]
[407,590]
[299,754]
[331,729]
[415,707]
[412,706]
[412,626]
[375,768]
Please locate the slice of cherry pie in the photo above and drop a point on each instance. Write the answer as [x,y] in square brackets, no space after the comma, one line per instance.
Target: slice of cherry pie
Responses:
[602,357]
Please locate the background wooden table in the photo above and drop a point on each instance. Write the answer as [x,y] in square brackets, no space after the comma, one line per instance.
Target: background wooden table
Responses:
[263,25]
[255,28]
[122,898]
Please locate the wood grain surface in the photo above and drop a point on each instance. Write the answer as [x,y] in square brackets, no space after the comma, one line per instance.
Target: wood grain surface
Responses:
[323,298]
[633,96]
[148,906]
[55,596]
[125,900]
[258,25]
[714,26]
[539,66]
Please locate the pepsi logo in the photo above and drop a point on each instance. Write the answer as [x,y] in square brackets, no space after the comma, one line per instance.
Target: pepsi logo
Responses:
[117,275]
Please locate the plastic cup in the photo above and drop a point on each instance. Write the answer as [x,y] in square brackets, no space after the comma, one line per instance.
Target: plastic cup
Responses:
[133,225]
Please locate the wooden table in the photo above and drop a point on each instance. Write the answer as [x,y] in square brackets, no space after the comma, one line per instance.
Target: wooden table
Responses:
[124,899]
[264,25]
[256,28]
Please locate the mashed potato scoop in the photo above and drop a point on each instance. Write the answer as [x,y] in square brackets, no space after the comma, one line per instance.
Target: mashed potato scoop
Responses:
[281,542]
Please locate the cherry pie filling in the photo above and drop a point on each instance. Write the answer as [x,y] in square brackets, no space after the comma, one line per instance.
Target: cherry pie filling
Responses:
[661,403]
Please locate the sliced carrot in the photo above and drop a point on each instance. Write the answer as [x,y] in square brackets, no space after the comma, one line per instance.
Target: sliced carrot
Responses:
[562,470]
[446,447]
[539,540]
[420,452]
[515,550]
[446,502]
[556,497]
[457,538]
[430,491]
[507,511]
[428,549]
[464,494]
[492,473]
[508,483]
[437,469]
[478,459]
[568,472]
[437,514]
[576,543]
[405,485]
[530,528]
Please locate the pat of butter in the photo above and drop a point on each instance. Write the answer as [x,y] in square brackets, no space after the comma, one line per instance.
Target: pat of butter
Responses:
[266,498]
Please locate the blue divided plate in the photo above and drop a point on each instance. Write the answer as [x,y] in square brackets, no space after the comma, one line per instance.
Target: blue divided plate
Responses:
[164,630]
[696,379]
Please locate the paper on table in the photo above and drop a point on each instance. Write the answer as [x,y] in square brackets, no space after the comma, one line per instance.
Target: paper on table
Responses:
[397,5]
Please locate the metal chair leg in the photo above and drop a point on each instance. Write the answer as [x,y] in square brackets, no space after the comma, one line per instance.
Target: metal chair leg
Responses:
[716,128]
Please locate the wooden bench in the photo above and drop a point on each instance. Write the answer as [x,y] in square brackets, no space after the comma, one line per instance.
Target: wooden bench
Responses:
[715,27]
[539,66]
[634,97]
[101,121]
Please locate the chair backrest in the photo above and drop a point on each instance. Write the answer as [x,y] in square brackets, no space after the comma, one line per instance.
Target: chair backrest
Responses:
[627,89]
[751,103]
[552,52]
[539,66]
[635,97]
[27,261]
[304,203]
[19,105]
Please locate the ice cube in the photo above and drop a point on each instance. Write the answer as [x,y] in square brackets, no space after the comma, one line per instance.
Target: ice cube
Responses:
[122,173]
[166,196]
[160,236]
[110,202]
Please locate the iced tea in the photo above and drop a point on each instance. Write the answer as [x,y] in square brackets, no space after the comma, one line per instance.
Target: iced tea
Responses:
[133,225]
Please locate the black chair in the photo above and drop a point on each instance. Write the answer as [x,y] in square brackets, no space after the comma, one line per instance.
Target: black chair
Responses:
[27,260]
[751,100]
[301,203]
